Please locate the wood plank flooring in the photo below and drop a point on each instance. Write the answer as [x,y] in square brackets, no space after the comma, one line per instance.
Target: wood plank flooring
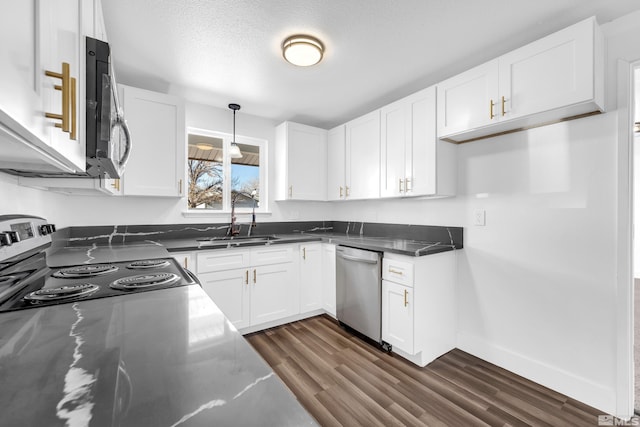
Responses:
[343,381]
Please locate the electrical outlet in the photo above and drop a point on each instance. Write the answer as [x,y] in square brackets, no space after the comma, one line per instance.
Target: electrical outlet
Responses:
[479,217]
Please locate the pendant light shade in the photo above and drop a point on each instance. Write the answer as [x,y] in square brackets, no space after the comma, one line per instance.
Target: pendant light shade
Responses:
[234,149]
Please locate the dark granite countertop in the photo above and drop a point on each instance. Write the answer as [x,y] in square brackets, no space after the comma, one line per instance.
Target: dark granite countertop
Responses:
[380,244]
[161,358]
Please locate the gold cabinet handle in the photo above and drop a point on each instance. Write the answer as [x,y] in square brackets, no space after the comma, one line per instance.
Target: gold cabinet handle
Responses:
[291,191]
[246,277]
[503,101]
[186,262]
[254,275]
[491,104]
[68,122]
[340,191]
[180,186]
[400,185]
[407,187]
[304,253]
[116,184]
[394,271]
[346,189]
[405,298]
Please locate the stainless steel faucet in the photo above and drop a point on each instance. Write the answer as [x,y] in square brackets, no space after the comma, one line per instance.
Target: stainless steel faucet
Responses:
[234,229]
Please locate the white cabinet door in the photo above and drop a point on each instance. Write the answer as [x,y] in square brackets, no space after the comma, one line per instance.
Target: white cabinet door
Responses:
[301,153]
[397,316]
[554,71]
[157,125]
[393,140]
[60,43]
[229,289]
[336,151]
[272,293]
[468,100]
[363,157]
[185,259]
[311,277]
[425,154]
[329,278]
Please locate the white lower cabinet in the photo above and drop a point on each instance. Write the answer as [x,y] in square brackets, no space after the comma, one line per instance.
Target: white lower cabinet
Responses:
[418,305]
[185,259]
[251,286]
[311,278]
[230,291]
[329,278]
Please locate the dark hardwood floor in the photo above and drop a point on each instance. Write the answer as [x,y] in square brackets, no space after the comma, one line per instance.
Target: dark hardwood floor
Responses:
[343,381]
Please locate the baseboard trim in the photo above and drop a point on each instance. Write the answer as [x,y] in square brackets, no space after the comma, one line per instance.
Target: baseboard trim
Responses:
[582,389]
[279,322]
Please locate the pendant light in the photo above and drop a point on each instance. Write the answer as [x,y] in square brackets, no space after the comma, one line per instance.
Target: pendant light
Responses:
[234,150]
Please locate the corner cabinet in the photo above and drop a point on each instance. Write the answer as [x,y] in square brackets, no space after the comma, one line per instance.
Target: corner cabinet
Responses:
[419,305]
[301,156]
[413,162]
[362,157]
[156,122]
[558,77]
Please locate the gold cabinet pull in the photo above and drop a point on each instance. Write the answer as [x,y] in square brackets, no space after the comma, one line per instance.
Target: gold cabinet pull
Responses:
[291,191]
[394,271]
[491,104]
[340,191]
[246,277]
[180,186]
[346,189]
[304,253]
[405,298]
[400,185]
[68,121]
[254,276]
[407,187]
[116,184]
[503,101]
[186,262]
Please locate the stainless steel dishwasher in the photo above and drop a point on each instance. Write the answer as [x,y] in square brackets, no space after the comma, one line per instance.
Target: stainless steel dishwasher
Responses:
[359,290]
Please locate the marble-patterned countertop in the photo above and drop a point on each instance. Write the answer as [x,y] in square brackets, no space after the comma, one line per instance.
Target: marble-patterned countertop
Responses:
[380,244]
[161,358]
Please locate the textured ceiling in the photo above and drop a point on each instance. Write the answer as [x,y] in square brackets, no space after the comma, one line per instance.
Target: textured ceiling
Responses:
[220,51]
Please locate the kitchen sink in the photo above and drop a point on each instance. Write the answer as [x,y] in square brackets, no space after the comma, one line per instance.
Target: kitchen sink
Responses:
[236,240]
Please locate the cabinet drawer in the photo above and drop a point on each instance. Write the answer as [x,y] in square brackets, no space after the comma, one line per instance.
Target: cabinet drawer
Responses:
[271,255]
[220,260]
[397,271]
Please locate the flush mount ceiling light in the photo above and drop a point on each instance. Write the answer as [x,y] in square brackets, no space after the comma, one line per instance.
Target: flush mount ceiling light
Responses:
[204,146]
[234,150]
[302,50]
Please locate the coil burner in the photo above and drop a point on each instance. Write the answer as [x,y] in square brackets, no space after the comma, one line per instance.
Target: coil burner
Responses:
[62,293]
[85,271]
[145,281]
[148,263]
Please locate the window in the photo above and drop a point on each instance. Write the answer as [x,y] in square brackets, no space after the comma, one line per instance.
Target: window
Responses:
[216,180]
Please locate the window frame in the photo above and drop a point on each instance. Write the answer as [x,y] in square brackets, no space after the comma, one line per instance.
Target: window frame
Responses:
[226,138]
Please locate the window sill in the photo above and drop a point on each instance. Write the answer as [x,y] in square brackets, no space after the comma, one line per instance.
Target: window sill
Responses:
[221,214]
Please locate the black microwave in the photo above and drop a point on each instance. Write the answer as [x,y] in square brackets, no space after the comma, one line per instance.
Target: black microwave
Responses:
[107,135]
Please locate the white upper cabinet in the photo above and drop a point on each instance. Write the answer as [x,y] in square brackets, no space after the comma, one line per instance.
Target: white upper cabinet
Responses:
[413,161]
[158,151]
[336,146]
[301,153]
[557,77]
[363,157]
[44,35]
